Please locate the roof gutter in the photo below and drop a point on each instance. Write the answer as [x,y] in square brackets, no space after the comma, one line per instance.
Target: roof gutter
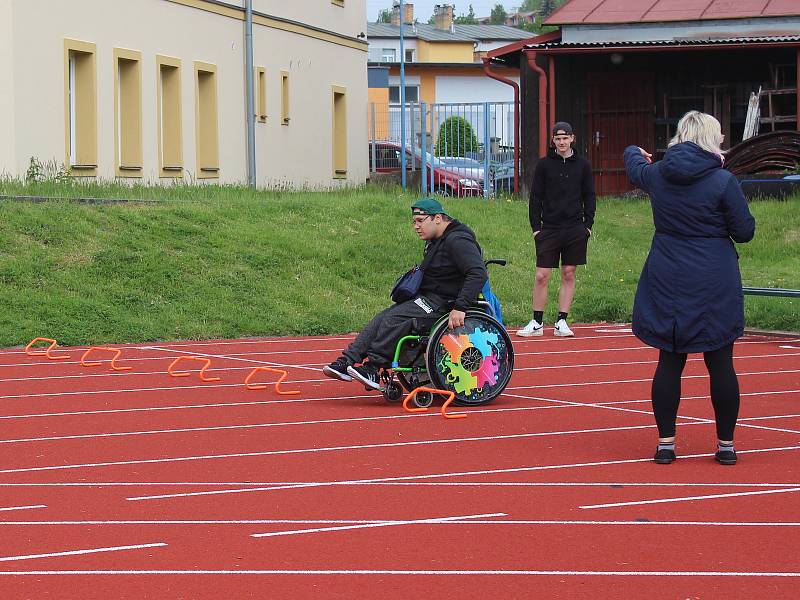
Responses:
[487,69]
[531,56]
[659,47]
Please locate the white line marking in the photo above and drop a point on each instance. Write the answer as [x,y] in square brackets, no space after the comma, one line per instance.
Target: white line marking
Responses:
[379,524]
[441,475]
[603,484]
[223,357]
[322,449]
[88,551]
[440,521]
[421,572]
[23,507]
[621,330]
[790,347]
[689,498]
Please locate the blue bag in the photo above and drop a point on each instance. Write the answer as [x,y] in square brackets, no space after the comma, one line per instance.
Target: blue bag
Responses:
[407,285]
[494,301]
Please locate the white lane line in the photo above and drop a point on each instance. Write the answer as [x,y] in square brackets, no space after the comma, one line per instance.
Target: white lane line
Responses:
[472,410]
[620,330]
[461,572]
[323,449]
[695,420]
[185,407]
[690,498]
[442,475]
[229,385]
[87,551]
[790,347]
[380,524]
[604,484]
[645,362]
[7,508]
[224,357]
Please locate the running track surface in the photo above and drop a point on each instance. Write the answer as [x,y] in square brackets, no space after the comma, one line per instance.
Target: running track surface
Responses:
[134,484]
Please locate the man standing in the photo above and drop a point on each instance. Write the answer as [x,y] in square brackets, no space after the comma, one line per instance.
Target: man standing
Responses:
[561,211]
[453,275]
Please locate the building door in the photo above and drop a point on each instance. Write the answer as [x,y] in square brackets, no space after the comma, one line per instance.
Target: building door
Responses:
[620,112]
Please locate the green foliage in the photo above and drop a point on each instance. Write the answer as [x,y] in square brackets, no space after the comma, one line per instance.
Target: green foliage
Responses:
[468,19]
[456,137]
[201,262]
[498,15]
[50,171]
[384,16]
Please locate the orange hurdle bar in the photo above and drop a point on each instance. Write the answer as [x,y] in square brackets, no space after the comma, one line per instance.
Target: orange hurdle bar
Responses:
[46,353]
[117,352]
[261,386]
[450,398]
[203,377]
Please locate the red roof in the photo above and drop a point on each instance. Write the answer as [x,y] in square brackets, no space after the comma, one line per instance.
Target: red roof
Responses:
[643,11]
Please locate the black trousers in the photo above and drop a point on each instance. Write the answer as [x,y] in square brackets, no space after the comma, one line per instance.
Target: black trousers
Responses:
[378,340]
[666,390]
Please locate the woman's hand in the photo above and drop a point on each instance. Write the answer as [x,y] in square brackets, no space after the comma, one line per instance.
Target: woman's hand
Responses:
[647,156]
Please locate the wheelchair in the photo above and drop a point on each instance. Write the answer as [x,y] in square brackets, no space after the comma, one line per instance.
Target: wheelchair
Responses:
[474,361]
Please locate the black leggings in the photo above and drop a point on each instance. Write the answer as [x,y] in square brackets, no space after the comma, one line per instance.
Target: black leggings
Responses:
[666,391]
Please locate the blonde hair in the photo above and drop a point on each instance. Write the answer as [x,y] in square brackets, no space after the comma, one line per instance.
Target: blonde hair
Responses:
[700,128]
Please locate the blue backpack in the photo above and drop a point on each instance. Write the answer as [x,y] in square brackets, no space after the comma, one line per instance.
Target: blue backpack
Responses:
[494,301]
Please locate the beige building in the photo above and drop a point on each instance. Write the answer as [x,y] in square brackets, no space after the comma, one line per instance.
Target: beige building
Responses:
[155,90]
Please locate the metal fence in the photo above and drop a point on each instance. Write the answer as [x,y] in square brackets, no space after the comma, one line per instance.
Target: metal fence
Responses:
[460,148]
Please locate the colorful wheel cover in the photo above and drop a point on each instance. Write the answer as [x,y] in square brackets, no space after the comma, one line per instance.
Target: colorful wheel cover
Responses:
[475,361]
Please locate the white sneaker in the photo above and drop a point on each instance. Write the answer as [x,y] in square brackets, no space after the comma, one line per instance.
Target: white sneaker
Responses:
[532,329]
[561,329]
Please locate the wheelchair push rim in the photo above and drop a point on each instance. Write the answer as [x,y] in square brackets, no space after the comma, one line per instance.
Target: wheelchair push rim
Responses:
[474,361]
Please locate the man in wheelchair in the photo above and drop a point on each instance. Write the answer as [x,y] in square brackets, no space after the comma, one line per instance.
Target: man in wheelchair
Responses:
[453,275]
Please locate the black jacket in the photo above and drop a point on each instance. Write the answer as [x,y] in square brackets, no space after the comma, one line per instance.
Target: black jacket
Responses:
[563,193]
[453,266]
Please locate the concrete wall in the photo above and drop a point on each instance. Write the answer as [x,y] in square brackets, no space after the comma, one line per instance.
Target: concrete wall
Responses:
[8,164]
[298,154]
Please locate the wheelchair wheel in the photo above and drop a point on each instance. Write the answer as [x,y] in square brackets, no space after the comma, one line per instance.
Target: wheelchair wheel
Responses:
[393,392]
[474,361]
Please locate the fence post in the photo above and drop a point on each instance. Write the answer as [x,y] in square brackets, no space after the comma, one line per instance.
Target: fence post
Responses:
[373,137]
[423,179]
[486,149]
[412,134]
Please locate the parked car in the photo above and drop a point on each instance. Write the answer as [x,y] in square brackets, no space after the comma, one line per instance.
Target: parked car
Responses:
[504,177]
[447,180]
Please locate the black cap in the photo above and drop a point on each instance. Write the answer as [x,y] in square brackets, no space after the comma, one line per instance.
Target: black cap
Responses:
[563,128]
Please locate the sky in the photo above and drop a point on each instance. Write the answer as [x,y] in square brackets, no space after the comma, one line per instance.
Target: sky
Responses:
[423,9]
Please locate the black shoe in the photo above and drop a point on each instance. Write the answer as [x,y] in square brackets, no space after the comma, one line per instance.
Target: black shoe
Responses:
[664,456]
[725,457]
[338,369]
[366,374]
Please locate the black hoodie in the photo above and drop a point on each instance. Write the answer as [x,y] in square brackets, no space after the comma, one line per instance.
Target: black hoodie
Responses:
[563,193]
[454,268]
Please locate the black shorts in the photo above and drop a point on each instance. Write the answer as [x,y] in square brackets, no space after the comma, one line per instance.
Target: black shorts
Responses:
[568,245]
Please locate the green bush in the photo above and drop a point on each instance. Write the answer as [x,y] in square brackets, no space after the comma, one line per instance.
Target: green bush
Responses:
[456,137]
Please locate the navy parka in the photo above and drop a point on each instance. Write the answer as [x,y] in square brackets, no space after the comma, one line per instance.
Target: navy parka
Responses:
[689,297]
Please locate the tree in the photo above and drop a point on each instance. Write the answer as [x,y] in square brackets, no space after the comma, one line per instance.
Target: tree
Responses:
[384,16]
[529,6]
[546,7]
[468,19]
[498,15]
[456,137]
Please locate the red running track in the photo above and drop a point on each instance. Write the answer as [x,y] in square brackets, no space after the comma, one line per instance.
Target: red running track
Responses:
[134,484]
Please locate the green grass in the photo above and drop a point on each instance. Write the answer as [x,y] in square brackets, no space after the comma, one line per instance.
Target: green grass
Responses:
[217,262]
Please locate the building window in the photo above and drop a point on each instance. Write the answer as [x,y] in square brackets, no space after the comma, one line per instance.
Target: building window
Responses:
[170,126]
[261,94]
[339,132]
[410,55]
[284,97]
[388,55]
[207,120]
[412,93]
[80,107]
[128,112]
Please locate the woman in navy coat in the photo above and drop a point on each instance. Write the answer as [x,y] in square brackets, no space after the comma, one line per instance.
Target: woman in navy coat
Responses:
[689,297]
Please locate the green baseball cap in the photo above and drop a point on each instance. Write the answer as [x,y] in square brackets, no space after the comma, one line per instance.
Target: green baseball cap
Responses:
[428,206]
